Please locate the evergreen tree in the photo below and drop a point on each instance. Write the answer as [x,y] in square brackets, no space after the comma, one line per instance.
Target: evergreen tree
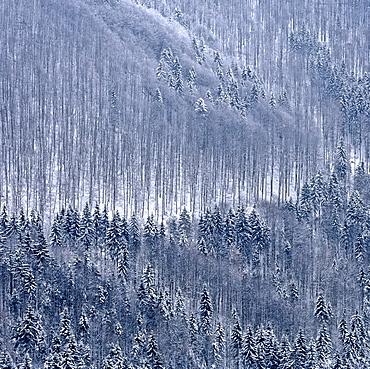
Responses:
[272,101]
[147,294]
[29,336]
[84,326]
[236,340]
[300,351]
[341,164]
[115,359]
[361,181]
[193,332]
[85,231]
[219,345]
[139,345]
[206,312]
[249,354]
[229,229]
[6,361]
[192,79]
[200,106]
[113,240]
[185,223]
[134,232]
[153,354]
[242,232]
[323,346]
[54,360]
[305,204]
[285,352]
[158,95]
[55,233]
[27,363]
[322,310]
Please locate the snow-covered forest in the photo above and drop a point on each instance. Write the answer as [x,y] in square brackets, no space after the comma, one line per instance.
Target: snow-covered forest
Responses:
[184,184]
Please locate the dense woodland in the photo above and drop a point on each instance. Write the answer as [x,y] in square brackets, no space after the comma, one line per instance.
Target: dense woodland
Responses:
[184,184]
[258,287]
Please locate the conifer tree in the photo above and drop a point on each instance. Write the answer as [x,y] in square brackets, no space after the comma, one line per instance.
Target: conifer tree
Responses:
[29,336]
[201,107]
[6,361]
[139,345]
[153,354]
[134,234]
[115,359]
[205,312]
[300,350]
[249,354]
[185,223]
[27,363]
[322,309]
[236,339]
[341,164]
[147,294]
[85,230]
[272,101]
[323,346]
[242,232]
[219,345]
[113,240]
[193,332]
[158,95]
[229,229]
[54,360]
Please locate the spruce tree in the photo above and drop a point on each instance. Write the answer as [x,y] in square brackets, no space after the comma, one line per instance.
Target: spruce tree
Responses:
[236,339]
[201,107]
[341,164]
[249,354]
[29,336]
[27,363]
[322,310]
[115,359]
[205,312]
[323,346]
[153,354]
[300,351]
[6,361]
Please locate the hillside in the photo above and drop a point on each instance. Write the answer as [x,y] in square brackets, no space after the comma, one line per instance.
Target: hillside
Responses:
[82,121]
[184,184]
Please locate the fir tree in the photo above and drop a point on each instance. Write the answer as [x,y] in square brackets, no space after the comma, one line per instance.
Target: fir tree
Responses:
[158,95]
[153,354]
[236,339]
[341,165]
[219,345]
[134,232]
[272,101]
[27,363]
[115,359]
[323,346]
[6,361]
[206,311]
[200,106]
[29,334]
[113,240]
[322,310]
[185,223]
[249,354]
